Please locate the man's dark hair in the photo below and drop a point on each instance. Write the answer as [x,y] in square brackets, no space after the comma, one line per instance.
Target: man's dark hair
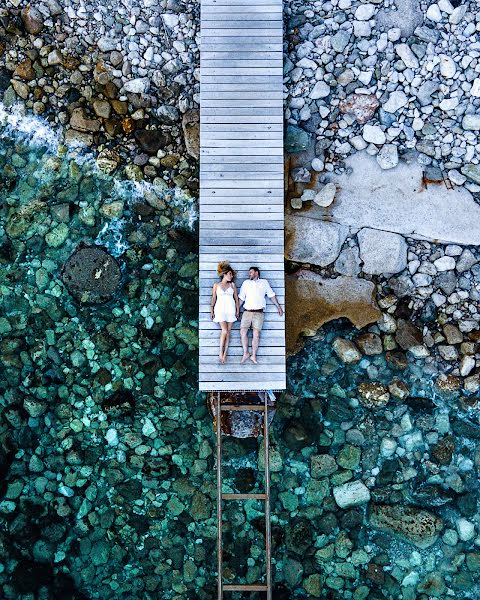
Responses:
[255,269]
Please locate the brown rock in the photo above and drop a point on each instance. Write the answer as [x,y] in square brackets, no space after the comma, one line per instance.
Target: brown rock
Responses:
[21,89]
[453,334]
[120,107]
[361,106]
[102,108]
[370,344]
[191,132]
[152,140]
[80,122]
[24,70]
[315,301]
[32,20]
[399,389]
[443,450]
[373,394]
[417,526]
[448,384]
[407,335]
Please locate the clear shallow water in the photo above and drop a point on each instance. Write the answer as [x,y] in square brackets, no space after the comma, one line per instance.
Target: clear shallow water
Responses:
[106,454]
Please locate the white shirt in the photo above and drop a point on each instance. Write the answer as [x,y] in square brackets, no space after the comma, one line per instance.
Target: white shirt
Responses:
[253,292]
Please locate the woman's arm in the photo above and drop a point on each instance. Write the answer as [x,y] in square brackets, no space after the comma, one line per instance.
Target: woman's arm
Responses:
[237,303]
[214,299]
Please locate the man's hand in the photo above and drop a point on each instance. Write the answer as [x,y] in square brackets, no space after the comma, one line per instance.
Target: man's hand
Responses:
[280,310]
[212,315]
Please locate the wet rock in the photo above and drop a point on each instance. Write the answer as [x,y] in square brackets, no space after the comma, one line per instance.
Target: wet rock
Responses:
[370,344]
[442,451]
[407,335]
[373,395]
[323,465]
[91,275]
[346,350]
[152,140]
[191,132]
[80,122]
[296,139]
[415,525]
[351,494]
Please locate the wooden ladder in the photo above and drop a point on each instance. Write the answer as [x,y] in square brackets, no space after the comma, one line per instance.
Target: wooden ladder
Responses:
[258,587]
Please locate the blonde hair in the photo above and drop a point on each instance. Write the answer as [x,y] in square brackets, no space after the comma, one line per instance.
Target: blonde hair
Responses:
[224,267]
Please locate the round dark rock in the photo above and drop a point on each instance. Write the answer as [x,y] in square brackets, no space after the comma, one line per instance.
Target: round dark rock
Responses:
[152,140]
[91,275]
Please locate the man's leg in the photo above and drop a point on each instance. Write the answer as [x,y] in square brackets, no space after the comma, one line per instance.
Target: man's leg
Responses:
[244,338]
[255,343]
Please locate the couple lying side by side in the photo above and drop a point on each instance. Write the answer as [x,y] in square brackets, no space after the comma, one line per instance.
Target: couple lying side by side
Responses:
[225,308]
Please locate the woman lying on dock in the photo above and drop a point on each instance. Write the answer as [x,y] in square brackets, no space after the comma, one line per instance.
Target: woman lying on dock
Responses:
[224,308]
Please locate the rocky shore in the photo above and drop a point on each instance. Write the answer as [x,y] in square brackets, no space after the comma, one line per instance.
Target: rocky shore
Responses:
[106,448]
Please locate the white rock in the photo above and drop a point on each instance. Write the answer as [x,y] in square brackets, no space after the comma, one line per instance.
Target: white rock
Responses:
[313,241]
[395,101]
[382,251]
[137,86]
[387,158]
[434,13]
[406,54]
[458,14]
[358,142]
[170,19]
[365,12]
[390,200]
[449,104]
[456,177]
[373,134]
[471,122]
[475,89]
[467,364]
[326,195]
[438,299]
[444,263]
[361,29]
[148,427]
[388,447]
[318,165]
[448,67]
[453,250]
[106,44]
[394,34]
[446,6]
[112,437]
[352,493]
[465,528]
[320,90]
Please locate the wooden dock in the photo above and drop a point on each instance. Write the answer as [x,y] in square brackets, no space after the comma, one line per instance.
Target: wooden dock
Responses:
[241,178]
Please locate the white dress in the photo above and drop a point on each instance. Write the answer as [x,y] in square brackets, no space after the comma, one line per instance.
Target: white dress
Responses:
[224,309]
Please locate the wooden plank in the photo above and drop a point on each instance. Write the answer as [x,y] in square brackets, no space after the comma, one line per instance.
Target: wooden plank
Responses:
[239,387]
[261,167]
[232,224]
[221,13]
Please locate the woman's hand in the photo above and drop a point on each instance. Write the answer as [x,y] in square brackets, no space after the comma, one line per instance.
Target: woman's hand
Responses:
[212,315]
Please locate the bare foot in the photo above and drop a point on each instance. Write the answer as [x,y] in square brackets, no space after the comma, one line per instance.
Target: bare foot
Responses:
[224,359]
[244,358]
[253,359]
[221,359]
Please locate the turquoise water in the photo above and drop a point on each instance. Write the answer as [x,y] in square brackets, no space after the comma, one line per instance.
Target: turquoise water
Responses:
[107,448]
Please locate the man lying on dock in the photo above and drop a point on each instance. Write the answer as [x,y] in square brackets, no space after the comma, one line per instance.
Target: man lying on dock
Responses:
[252,296]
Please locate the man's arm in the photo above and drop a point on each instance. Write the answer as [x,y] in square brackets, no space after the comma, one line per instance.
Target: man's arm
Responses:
[273,298]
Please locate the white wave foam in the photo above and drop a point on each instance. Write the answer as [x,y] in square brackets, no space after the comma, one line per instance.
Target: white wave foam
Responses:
[33,130]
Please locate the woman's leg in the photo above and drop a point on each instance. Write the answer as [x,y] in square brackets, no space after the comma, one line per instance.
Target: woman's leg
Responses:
[227,341]
[223,337]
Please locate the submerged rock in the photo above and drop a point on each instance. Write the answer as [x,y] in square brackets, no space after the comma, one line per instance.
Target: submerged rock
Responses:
[415,525]
[91,275]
